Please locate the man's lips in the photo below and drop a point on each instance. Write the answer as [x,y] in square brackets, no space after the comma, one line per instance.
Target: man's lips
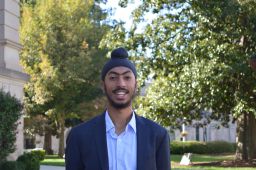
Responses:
[120,93]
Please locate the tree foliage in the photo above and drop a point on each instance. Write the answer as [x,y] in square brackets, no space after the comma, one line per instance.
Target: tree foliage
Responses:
[197,54]
[10,112]
[199,57]
[28,2]
[60,53]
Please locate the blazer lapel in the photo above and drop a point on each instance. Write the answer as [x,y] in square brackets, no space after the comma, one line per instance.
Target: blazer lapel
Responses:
[101,142]
[141,149]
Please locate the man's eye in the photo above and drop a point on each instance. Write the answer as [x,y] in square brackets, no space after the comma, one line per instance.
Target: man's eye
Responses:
[112,77]
[127,77]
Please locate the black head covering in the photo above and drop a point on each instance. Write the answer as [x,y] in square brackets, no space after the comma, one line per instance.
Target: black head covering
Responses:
[119,57]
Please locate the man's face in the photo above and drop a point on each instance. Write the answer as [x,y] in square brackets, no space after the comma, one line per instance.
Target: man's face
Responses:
[120,87]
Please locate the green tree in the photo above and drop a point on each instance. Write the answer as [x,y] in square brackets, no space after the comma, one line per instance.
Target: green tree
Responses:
[29,2]
[197,54]
[60,53]
[10,112]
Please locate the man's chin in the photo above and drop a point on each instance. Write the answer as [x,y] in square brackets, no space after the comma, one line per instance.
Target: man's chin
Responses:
[120,105]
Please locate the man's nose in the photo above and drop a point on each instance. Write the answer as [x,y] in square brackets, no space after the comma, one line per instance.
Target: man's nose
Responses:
[121,82]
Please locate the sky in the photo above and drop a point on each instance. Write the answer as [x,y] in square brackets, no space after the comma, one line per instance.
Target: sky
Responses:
[121,14]
[124,14]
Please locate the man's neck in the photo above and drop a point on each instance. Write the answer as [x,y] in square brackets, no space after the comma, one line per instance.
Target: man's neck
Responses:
[120,117]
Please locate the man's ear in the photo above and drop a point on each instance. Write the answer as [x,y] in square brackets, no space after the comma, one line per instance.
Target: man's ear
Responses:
[102,86]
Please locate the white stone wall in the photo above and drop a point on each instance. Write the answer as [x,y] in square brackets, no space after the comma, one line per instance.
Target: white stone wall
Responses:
[12,79]
[9,34]
[212,133]
[9,24]
[12,59]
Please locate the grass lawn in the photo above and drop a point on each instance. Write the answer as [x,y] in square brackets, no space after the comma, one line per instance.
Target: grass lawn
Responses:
[55,161]
[209,168]
[204,158]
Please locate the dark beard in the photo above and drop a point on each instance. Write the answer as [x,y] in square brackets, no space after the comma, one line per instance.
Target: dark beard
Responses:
[120,105]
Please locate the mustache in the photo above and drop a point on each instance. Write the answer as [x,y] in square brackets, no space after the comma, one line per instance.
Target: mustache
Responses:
[120,89]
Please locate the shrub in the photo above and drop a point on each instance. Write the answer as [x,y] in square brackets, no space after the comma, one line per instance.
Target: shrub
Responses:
[12,165]
[220,147]
[30,160]
[40,154]
[10,112]
[179,147]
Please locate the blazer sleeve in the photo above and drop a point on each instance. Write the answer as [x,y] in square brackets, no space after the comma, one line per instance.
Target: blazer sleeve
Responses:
[163,153]
[72,153]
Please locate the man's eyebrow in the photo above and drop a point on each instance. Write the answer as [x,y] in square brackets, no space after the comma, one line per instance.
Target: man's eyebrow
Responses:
[113,72]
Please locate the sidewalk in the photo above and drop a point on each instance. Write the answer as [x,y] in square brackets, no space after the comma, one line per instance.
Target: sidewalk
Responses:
[45,167]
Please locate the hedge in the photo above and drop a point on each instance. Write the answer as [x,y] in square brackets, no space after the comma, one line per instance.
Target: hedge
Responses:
[214,147]
[10,112]
[30,160]
[12,165]
[40,154]
[27,161]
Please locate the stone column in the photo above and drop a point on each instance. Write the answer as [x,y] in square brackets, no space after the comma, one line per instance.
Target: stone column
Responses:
[9,34]
[12,78]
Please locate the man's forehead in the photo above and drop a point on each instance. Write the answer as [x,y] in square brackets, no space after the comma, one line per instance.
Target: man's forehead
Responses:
[120,70]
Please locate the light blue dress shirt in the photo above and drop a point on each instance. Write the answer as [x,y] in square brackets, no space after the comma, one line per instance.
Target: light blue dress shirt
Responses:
[122,148]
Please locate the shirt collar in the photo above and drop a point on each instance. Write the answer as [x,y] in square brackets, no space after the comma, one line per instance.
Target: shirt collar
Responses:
[110,125]
[132,122]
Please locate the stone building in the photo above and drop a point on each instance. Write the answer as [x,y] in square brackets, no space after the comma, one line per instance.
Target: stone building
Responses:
[213,131]
[12,78]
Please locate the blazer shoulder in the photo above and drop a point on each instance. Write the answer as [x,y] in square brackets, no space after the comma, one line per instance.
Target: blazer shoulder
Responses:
[88,125]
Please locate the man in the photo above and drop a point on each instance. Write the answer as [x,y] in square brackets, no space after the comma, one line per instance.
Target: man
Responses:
[118,139]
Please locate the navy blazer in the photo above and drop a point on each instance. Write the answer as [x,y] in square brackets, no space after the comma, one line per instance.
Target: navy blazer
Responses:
[87,146]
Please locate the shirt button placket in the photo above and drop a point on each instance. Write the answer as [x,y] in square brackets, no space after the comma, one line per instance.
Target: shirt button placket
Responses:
[118,150]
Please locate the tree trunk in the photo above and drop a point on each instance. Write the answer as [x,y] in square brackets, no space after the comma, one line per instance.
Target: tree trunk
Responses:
[61,139]
[242,142]
[48,141]
[246,138]
[239,142]
[251,136]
